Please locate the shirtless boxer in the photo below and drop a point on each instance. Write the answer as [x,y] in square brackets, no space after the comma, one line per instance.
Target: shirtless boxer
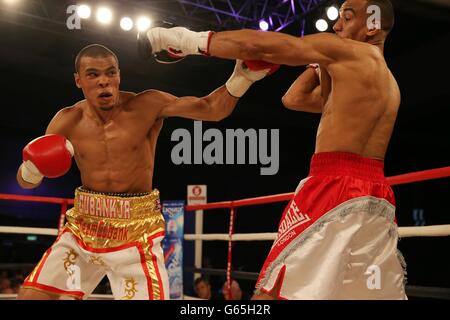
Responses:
[116,226]
[337,238]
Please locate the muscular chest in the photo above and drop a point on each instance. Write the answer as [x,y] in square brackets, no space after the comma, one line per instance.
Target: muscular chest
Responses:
[112,140]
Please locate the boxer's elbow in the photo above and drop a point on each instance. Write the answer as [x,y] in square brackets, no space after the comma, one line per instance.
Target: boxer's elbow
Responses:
[302,102]
[293,102]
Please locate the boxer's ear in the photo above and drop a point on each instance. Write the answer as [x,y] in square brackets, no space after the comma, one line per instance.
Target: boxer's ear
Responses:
[372,32]
[76,76]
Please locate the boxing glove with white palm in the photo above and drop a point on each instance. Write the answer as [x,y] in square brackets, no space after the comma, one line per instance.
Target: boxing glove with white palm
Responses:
[47,156]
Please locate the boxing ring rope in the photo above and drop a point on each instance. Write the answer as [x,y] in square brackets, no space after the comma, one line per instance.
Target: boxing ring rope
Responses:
[423,231]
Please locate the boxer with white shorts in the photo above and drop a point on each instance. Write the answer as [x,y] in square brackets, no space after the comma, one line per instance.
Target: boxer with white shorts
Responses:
[116,226]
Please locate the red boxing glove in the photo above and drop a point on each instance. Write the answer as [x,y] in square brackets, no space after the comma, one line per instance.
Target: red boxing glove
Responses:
[256,65]
[49,156]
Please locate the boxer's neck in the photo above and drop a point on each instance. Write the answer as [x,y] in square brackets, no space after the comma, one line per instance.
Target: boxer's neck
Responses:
[105,116]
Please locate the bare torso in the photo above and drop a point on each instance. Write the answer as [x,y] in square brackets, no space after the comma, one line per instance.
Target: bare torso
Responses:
[118,155]
[361,100]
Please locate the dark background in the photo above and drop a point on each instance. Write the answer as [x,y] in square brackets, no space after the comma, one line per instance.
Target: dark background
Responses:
[36,74]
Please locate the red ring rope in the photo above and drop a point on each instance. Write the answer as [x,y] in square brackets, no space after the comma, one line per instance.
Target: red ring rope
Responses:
[393,181]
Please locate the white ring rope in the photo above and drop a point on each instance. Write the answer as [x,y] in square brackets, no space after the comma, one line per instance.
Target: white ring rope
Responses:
[425,231]
[236,237]
[404,232]
[23,230]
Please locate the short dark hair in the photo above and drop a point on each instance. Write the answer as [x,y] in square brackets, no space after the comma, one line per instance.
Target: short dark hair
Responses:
[387,13]
[94,51]
[201,279]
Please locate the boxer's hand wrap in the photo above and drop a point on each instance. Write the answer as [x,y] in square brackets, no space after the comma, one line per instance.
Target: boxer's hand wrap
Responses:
[247,72]
[30,173]
[178,41]
[49,156]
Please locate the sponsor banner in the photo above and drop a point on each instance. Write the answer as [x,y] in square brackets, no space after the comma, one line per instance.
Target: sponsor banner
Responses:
[196,194]
[172,245]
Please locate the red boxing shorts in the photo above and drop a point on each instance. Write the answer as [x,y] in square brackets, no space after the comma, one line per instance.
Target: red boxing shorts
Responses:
[337,238]
[117,235]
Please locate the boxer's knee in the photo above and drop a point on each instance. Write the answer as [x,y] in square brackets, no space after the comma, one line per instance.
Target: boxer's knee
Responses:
[32,294]
[263,296]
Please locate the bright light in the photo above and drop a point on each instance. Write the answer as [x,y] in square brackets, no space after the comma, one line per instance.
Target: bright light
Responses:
[104,15]
[10,1]
[332,13]
[263,25]
[84,11]
[143,23]
[126,24]
[321,25]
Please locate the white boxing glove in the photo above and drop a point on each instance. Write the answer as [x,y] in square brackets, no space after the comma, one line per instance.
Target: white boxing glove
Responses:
[247,72]
[178,41]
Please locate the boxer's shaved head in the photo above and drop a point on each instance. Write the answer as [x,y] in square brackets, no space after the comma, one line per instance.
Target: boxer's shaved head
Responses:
[365,20]
[386,12]
[94,51]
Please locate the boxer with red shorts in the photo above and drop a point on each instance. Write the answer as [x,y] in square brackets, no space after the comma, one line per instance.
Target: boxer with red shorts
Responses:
[337,238]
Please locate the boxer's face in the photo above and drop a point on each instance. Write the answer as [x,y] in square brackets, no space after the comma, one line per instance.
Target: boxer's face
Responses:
[203,290]
[99,78]
[352,22]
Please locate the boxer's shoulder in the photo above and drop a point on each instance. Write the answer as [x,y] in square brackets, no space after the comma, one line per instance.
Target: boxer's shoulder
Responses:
[65,120]
[71,113]
[153,98]
[147,104]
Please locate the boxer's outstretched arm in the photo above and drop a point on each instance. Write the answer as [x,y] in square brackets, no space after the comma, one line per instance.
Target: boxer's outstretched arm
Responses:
[280,48]
[305,93]
[214,107]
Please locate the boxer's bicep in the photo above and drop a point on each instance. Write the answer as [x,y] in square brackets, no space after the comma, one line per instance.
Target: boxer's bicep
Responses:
[213,107]
[188,107]
[281,48]
[322,48]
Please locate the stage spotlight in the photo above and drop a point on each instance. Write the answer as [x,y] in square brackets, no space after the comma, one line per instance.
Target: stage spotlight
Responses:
[263,25]
[321,25]
[104,15]
[332,13]
[143,23]
[11,2]
[126,24]
[84,11]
